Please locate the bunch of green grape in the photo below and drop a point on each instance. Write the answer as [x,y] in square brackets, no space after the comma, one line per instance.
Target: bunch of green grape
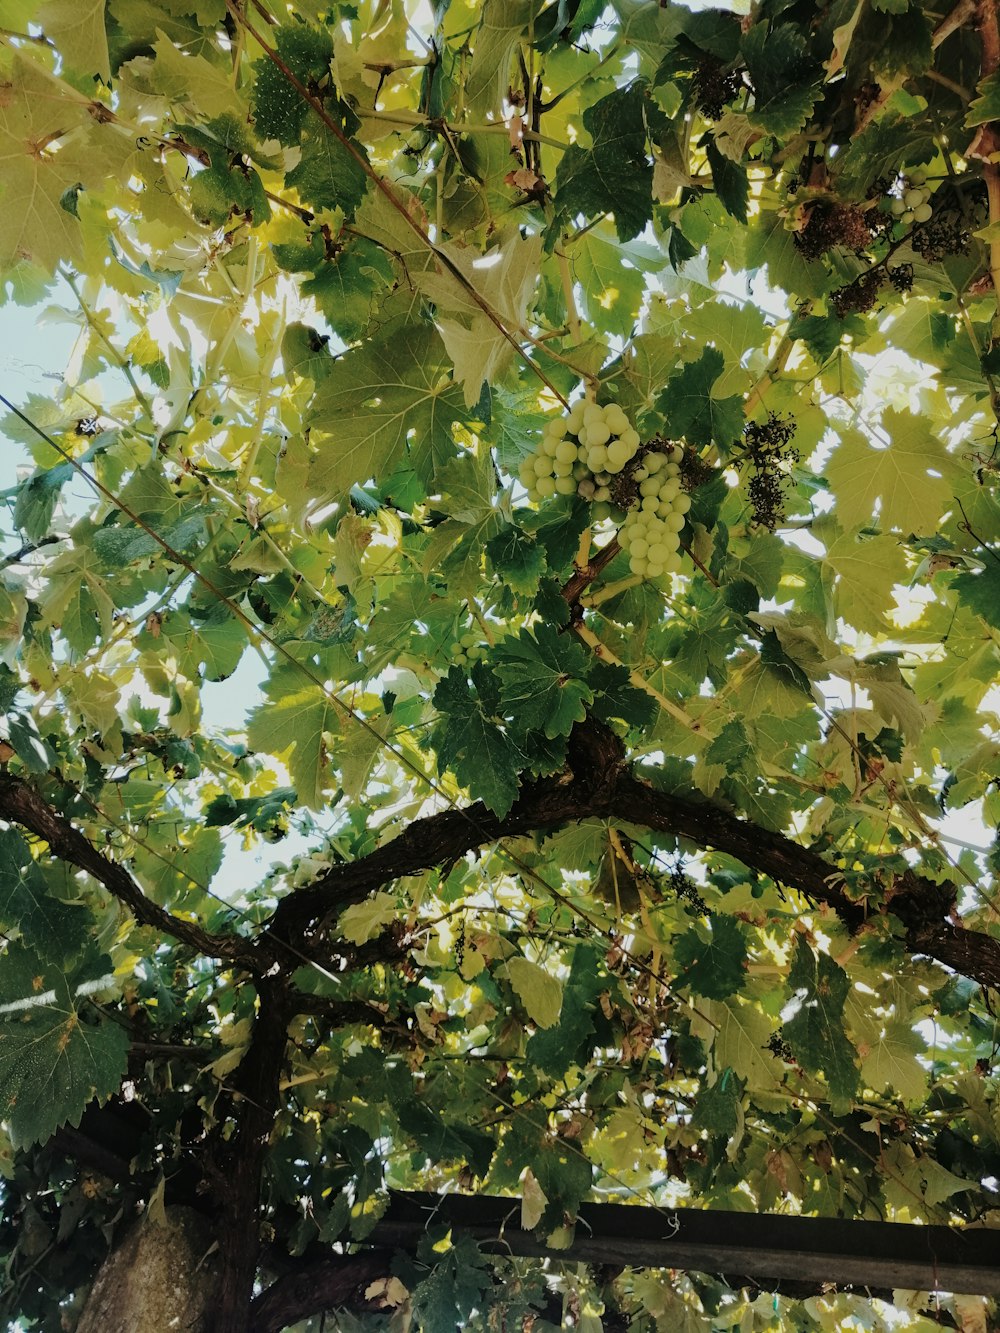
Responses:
[580,454]
[651,532]
[913,205]
[467,648]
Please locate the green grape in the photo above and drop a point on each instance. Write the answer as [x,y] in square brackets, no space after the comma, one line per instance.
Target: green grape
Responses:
[923,213]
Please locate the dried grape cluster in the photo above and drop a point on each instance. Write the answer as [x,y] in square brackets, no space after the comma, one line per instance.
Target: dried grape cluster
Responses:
[651,532]
[829,225]
[580,455]
[713,86]
[686,889]
[769,453]
[901,277]
[945,235]
[858,296]
[777,1045]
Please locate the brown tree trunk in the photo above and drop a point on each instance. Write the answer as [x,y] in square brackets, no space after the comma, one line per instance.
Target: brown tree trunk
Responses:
[162,1276]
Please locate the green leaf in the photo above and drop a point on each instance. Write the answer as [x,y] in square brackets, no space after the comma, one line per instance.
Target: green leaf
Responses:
[986,107]
[731,748]
[617,699]
[33,223]
[895,138]
[77,29]
[540,993]
[785,79]
[892,1063]
[729,180]
[329,174]
[740,1038]
[279,109]
[55,928]
[692,412]
[816,1032]
[712,959]
[347,287]
[449,1295]
[718,1107]
[293,723]
[980,592]
[364,921]
[516,558]
[505,278]
[866,571]
[905,479]
[615,175]
[55,1054]
[471,742]
[258,812]
[543,680]
[372,400]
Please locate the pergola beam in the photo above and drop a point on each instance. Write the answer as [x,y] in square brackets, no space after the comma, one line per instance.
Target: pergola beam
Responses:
[763,1247]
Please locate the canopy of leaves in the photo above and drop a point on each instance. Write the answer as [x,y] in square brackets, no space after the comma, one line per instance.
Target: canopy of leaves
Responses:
[372,821]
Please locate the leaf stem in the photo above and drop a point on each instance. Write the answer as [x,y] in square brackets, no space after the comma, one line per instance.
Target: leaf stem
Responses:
[586,635]
[119,360]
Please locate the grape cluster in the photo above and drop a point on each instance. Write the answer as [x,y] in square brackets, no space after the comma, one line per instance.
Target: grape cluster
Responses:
[829,225]
[651,532]
[686,889]
[467,648]
[777,1045]
[859,296]
[912,204]
[580,454]
[713,86]
[769,454]
[945,235]
[901,277]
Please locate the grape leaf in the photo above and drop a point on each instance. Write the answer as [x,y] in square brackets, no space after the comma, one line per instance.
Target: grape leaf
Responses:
[470,741]
[329,175]
[892,1062]
[906,481]
[542,681]
[294,720]
[785,79]
[712,959]
[55,1056]
[615,175]
[45,923]
[740,1040]
[279,109]
[77,28]
[540,993]
[33,223]
[816,1032]
[506,278]
[372,400]
[980,592]
[692,412]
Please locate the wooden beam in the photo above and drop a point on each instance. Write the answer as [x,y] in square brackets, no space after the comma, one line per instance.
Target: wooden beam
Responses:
[762,1247]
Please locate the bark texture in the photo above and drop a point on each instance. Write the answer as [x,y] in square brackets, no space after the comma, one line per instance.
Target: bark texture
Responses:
[162,1277]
